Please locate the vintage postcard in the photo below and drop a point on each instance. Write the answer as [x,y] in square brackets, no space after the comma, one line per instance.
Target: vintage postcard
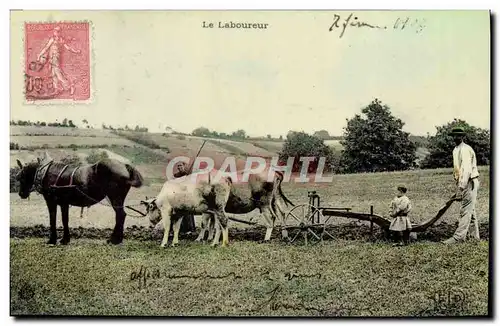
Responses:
[250,163]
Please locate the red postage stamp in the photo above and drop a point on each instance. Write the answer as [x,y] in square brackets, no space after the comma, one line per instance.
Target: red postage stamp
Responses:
[57,61]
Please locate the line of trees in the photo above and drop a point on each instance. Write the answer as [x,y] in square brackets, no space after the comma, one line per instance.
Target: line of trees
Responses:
[205,132]
[137,128]
[65,123]
[241,134]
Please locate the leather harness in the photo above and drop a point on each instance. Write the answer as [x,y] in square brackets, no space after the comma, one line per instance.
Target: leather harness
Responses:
[41,172]
[70,178]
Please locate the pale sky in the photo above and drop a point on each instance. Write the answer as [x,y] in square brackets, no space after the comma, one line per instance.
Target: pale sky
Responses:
[161,69]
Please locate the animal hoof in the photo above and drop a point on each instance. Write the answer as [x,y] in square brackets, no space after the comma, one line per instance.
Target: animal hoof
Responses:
[114,241]
[65,241]
[174,245]
[52,242]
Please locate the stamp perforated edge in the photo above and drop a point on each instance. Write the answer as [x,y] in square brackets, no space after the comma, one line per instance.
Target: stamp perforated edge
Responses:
[92,85]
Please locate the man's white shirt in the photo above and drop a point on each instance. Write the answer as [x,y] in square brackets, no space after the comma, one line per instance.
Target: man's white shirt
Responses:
[464,164]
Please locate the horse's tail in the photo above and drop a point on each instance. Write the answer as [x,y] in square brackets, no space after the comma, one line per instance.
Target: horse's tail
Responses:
[282,195]
[136,180]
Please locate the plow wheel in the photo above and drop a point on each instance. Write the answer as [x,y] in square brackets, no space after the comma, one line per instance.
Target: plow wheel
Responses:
[305,224]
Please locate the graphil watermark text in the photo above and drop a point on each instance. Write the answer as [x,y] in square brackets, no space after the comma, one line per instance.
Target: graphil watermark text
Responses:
[265,168]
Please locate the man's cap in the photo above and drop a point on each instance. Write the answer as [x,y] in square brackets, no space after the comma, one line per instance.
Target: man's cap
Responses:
[457,131]
[402,188]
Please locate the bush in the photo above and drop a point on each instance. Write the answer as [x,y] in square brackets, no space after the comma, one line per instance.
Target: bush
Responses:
[300,144]
[441,145]
[14,145]
[72,159]
[96,156]
[376,142]
[201,132]
[322,134]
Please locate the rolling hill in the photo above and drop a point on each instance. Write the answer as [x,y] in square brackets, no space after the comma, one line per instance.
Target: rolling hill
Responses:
[151,152]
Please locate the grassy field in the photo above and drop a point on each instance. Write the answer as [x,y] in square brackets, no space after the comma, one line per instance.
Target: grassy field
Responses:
[66,141]
[59,131]
[272,146]
[185,145]
[244,148]
[342,278]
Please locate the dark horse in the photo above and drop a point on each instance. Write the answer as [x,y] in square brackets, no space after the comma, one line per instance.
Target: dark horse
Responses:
[79,185]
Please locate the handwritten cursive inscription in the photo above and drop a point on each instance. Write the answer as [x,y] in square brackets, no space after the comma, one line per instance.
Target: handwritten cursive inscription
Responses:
[144,274]
[449,300]
[351,21]
[275,299]
[406,23]
[275,305]
[291,275]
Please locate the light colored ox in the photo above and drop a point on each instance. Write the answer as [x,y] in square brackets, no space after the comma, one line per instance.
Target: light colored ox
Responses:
[197,193]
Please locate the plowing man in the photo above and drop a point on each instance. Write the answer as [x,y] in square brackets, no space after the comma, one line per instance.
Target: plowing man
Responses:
[188,224]
[467,178]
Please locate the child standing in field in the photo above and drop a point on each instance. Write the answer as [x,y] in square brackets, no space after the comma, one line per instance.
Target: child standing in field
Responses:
[400,208]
